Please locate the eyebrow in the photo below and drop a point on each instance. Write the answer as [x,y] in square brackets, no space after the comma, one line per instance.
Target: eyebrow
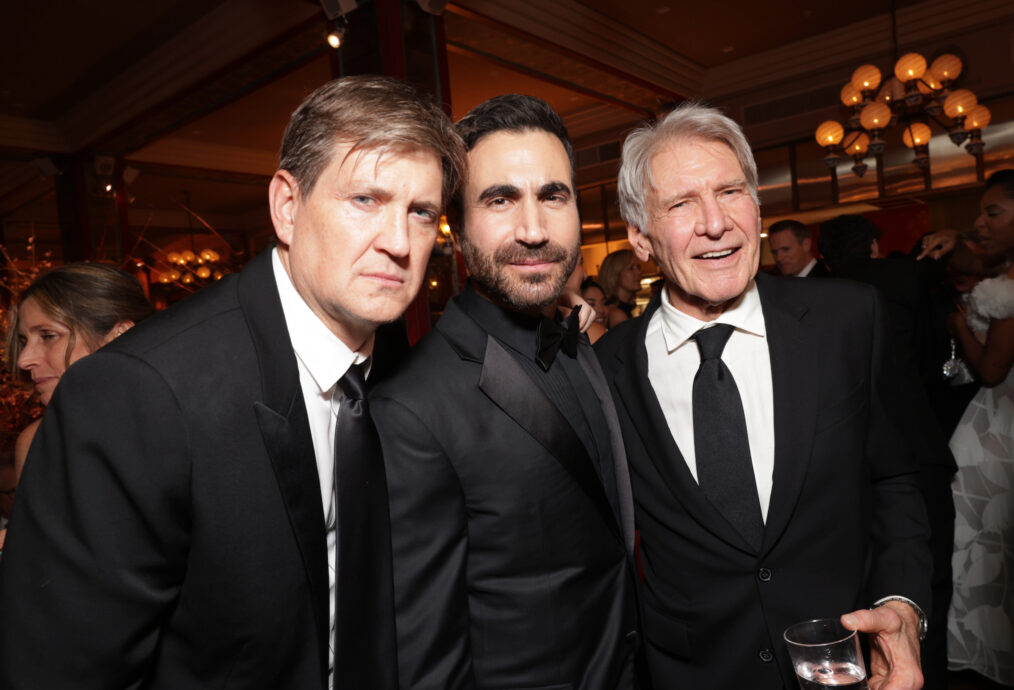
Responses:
[500,190]
[554,187]
[669,200]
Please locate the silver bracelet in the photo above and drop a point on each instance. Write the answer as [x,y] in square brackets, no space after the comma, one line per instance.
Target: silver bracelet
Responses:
[923,621]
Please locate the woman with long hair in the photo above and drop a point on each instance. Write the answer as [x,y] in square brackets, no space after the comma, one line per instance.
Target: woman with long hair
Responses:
[620,278]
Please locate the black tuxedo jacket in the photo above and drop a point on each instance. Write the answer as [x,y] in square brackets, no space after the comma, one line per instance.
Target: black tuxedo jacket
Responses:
[169,531]
[512,569]
[845,525]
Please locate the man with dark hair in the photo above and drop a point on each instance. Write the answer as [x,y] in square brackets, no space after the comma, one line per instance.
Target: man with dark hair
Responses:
[205,505]
[510,503]
[847,240]
[792,248]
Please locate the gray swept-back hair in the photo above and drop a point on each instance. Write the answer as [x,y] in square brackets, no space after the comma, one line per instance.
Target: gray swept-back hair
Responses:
[689,120]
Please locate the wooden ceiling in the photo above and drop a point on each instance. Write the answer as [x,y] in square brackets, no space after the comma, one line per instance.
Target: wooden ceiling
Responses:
[195,94]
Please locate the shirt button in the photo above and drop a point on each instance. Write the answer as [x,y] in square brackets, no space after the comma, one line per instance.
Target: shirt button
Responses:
[766,656]
[764,575]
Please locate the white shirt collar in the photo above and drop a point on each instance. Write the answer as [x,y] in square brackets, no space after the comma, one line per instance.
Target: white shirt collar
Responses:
[807,268]
[745,315]
[324,355]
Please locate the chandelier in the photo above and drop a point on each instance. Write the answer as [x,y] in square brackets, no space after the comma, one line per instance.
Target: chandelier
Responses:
[913,98]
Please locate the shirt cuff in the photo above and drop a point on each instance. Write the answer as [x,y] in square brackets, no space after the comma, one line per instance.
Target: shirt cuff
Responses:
[923,622]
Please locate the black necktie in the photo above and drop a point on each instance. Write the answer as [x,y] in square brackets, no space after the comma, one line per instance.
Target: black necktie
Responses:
[364,644]
[724,467]
[554,336]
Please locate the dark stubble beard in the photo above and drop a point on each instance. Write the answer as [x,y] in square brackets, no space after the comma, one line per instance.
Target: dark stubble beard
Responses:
[528,292]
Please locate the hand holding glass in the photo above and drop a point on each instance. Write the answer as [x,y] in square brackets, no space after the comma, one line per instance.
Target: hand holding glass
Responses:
[825,653]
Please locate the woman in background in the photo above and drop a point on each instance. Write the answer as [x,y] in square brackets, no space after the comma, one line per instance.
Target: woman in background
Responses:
[64,315]
[981,618]
[620,277]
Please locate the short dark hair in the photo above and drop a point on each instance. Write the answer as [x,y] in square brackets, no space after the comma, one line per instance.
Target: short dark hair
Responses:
[590,283]
[800,231]
[511,112]
[1004,179]
[846,239]
[368,112]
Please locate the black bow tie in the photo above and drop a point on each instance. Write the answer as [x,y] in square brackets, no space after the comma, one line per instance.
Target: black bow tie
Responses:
[556,335]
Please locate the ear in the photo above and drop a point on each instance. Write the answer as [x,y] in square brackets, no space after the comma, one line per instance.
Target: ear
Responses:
[119,329]
[807,245]
[283,202]
[875,249]
[640,242]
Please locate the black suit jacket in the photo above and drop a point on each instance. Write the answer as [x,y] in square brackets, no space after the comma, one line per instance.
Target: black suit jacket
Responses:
[512,570]
[169,531]
[845,524]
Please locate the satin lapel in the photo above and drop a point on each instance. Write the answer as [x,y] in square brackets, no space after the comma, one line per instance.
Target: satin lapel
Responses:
[506,384]
[286,430]
[591,368]
[638,397]
[793,348]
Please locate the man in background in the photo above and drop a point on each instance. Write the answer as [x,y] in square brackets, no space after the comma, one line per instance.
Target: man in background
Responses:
[792,248]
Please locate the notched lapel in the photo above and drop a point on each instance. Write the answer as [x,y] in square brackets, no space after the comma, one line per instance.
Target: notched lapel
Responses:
[793,346]
[506,384]
[638,397]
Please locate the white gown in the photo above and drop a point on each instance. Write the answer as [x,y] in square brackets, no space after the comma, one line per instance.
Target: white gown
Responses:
[980,623]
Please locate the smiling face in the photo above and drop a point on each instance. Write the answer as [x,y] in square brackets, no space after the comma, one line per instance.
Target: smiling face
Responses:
[596,299]
[521,233]
[995,226]
[44,347]
[703,226]
[356,247]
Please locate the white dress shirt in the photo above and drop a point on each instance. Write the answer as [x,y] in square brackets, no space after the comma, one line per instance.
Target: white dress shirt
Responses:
[807,268]
[673,360]
[322,359]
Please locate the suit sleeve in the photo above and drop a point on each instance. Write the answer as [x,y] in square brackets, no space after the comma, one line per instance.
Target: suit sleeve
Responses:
[901,558]
[98,539]
[429,542]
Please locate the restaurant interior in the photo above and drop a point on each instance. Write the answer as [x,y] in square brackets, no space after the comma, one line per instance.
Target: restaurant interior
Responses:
[145,134]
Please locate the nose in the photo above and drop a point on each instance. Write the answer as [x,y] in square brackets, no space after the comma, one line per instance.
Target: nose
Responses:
[715,220]
[393,238]
[29,356]
[531,227]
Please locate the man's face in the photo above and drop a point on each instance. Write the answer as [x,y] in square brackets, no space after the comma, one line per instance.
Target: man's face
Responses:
[521,235]
[703,226]
[790,254]
[357,245]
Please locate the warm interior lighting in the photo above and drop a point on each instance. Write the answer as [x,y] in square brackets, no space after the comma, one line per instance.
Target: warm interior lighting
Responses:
[875,116]
[977,118]
[829,133]
[857,143]
[959,103]
[866,78]
[947,67]
[910,66]
[334,39]
[916,134]
[850,96]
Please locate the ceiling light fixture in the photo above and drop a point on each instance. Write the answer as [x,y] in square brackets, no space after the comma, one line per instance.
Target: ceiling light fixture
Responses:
[915,96]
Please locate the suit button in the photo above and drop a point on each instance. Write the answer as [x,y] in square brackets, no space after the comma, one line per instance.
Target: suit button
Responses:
[764,575]
[766,656]
[631,637]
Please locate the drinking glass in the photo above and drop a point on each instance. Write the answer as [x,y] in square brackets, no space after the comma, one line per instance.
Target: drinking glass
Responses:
[826,654]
